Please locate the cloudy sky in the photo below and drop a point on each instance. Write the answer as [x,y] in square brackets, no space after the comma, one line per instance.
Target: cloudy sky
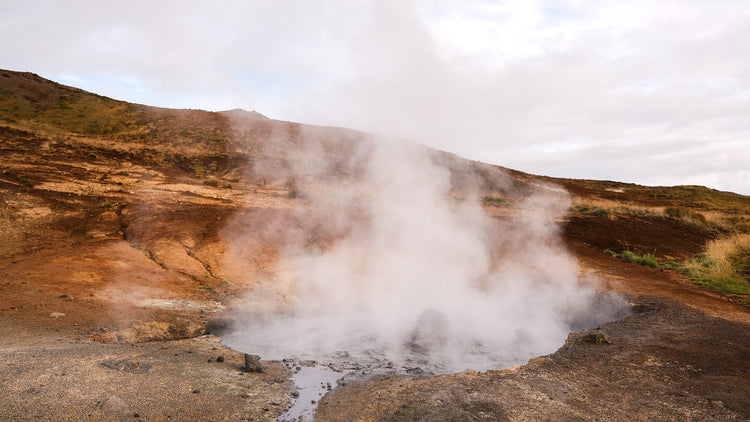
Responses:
[647,91]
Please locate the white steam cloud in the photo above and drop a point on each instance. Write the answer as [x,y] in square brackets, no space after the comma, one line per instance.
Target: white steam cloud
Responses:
[399,267]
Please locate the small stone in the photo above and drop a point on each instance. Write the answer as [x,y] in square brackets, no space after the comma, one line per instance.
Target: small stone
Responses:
[196,391]
[220,358]
[135,415]
[56,314]
[295,394]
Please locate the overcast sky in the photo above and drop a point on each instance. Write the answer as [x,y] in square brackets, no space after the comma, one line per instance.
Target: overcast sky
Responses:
[653,92]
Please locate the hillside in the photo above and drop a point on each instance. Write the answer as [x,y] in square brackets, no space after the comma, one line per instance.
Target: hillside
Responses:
[129,232]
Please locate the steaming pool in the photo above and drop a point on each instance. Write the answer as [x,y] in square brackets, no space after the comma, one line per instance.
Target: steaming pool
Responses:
[431,343]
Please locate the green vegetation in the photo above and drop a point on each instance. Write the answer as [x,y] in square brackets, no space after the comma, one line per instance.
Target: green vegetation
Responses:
[213,183]
[106,205]
[494,201]
[645,260]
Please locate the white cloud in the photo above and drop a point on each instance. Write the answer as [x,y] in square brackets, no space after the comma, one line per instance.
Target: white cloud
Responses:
[497,81]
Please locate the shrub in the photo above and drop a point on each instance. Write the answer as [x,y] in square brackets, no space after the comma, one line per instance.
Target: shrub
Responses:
[213,183]
[292,191]
[596,338]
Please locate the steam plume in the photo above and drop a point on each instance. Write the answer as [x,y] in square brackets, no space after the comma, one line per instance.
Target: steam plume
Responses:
[398,267]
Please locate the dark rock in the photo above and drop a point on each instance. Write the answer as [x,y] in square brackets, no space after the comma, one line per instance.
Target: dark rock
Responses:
[252,363]
[220,359]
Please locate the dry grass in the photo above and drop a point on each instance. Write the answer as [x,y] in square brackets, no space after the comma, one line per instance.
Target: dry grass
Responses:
[718,267]
[712,219]
[615,207]
[734,221]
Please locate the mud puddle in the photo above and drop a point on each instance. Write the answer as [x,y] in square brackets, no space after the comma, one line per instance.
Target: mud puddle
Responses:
[314,380]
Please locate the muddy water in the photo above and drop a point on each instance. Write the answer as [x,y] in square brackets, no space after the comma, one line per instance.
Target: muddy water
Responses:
[312,383]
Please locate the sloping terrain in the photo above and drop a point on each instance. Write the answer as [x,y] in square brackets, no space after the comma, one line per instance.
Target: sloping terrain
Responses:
[114,226]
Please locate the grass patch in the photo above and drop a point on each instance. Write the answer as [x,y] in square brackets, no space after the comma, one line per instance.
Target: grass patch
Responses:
[719,266]
[106,205]
[645,260]
[686,215]
[213,183]
[209,288]
[607,208]
[590,210]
